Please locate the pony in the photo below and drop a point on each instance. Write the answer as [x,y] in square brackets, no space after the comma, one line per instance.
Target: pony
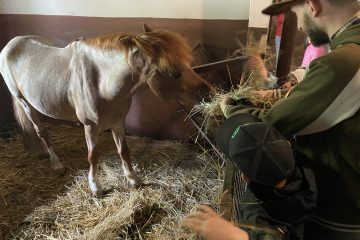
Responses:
[92,80]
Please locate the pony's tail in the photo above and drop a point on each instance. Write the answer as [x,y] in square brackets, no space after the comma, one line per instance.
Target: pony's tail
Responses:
[31,141]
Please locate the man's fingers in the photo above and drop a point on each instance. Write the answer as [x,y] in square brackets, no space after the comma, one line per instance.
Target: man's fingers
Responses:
[192,223]
[199,215]
[207,210]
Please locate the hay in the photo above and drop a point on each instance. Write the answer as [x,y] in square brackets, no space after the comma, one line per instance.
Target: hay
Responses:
[250,80]
[211,113]
[253,77]
[38,205]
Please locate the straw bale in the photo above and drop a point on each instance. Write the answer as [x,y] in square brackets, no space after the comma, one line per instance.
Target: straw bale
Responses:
[35,204]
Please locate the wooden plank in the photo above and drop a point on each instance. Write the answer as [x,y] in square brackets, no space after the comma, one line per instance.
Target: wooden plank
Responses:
[220,64]
[226,201]
[286,46]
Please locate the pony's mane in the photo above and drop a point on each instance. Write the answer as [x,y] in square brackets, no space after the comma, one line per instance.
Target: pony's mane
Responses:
[166,49]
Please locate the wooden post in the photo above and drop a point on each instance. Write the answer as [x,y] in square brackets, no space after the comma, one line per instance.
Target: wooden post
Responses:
[226,201]
[286,46]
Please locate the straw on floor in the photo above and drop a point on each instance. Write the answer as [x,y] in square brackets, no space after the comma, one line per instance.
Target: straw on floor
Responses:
[35,204]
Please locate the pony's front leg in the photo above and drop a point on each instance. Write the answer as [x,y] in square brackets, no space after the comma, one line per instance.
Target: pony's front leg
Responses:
[91,135]
[123,150]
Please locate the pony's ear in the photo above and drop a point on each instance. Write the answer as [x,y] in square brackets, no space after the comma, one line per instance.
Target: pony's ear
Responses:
[147,28]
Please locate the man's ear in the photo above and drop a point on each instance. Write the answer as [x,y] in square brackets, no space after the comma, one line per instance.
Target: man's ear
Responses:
[147,28]
[315,7]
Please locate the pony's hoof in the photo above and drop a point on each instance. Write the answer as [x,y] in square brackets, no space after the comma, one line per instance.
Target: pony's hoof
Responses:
[95,187]
[135,181]
[42,155]
[98,194]
[60,171]
[102,193]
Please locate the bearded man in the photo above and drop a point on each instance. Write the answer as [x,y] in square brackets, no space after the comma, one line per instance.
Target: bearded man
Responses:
[322,114]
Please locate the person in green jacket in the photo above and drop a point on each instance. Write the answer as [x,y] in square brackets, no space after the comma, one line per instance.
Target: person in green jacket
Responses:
[280,195]
[322,114]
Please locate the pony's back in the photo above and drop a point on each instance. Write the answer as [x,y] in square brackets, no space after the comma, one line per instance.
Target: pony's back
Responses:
[20,47]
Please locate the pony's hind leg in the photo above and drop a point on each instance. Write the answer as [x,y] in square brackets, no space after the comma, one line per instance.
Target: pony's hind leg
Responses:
[123,150]
[32,114]
[91,135]
[31,141]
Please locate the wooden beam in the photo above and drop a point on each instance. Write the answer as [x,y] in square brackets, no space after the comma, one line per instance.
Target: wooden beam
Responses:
[220,64]
[226,201]
[286,46]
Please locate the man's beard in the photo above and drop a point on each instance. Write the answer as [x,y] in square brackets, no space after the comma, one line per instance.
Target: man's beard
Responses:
[316,35]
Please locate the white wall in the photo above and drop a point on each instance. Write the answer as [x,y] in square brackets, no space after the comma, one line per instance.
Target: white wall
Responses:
[182,9]
[257,19]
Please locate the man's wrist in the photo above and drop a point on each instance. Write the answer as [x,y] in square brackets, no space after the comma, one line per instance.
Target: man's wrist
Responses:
[224,109]
[239,234]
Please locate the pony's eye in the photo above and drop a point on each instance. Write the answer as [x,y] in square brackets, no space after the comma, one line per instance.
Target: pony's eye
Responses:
[175,74]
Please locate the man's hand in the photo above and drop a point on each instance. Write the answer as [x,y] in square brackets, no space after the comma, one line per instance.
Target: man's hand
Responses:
[226,101]
[263,94]
[256,63]
[206,222]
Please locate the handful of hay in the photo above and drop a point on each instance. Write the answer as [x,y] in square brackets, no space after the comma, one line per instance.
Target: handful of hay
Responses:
[212,108]
[253,78]
[211,113]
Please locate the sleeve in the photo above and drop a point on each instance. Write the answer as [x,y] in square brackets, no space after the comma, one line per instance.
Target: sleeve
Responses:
[299,75]
[307,101]
[253,218]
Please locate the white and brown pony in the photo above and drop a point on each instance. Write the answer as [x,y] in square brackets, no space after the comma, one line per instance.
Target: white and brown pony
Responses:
[92,80]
